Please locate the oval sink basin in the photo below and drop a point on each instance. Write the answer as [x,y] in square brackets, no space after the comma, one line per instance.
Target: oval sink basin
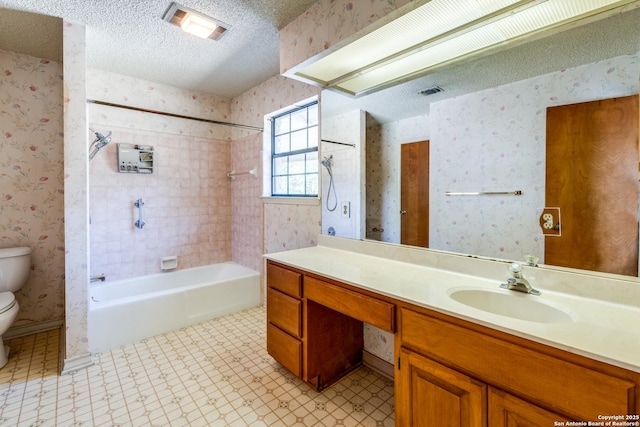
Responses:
[513,304]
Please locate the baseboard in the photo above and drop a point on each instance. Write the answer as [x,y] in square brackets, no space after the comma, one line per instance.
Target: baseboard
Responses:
[32,328]
[377,364]
[76,363]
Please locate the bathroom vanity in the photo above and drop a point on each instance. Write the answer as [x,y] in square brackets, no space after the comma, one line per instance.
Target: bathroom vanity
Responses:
[455,362]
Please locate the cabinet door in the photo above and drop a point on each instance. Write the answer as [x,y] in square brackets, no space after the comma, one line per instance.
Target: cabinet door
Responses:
[506,410]
[430,394]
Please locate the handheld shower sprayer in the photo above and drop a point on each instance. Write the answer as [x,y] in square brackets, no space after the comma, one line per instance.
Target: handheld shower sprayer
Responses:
[327,162]
[100,141]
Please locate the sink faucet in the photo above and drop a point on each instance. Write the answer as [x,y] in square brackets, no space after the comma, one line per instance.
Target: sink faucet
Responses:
[517,282]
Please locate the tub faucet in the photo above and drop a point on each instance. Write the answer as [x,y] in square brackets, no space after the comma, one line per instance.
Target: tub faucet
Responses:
[100,278]
[517,282]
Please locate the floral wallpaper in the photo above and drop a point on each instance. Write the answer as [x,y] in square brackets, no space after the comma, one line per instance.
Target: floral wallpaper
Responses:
[383,173]
[494,140]
[31,179]
[272,95]
[290,226]
[124,90]
[327,23]
[250,108]
[260,226]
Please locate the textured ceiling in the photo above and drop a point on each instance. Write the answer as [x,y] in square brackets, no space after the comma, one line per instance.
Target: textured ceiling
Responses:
[129,37]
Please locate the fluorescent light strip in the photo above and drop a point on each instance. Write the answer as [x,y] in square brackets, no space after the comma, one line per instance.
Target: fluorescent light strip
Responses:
[541,17]
[473,38]
[424,23]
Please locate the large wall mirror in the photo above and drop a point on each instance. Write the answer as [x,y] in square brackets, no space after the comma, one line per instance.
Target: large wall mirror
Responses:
[487,132]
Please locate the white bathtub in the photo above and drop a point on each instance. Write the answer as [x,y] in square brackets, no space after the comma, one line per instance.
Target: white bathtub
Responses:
[126,311]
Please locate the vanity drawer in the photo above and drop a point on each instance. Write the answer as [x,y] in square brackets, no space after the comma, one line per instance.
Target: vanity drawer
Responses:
[285,312]
[284,280]
[558,384]
[285,349]
[359,306]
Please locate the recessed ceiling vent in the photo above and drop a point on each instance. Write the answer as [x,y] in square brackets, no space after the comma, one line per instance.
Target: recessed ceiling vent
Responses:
[196,23]
[431,91]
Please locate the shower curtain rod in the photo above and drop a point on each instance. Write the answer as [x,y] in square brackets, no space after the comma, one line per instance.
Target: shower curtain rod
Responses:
[144,110]
[339,143]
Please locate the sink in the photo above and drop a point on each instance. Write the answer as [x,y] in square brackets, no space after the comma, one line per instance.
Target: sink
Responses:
[513,304]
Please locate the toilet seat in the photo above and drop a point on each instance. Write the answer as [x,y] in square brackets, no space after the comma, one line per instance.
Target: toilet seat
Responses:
[7,301]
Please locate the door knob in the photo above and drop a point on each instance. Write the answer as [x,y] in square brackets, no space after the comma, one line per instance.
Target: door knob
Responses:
[403,212]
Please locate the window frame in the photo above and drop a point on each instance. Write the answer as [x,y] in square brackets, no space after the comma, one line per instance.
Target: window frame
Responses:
[314,149]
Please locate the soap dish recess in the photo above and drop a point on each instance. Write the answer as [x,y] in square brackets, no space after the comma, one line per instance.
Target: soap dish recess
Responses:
[168,263]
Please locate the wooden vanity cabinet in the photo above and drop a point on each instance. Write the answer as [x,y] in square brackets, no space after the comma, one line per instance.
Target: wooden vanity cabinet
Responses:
[473,371]
[506,410]
[434,395]
[284,317]
[448,372]
[314,326]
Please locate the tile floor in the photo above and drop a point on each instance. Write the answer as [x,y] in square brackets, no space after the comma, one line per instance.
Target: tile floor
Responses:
[216,373]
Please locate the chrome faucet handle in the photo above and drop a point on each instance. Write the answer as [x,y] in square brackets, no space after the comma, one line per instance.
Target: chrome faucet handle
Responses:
[517,282]
[516,270]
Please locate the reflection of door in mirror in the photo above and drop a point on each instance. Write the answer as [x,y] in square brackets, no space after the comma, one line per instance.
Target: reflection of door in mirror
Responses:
[592,175]
[414,194]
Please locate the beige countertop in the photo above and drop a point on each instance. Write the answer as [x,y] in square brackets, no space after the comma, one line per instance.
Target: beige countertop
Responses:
[603,330]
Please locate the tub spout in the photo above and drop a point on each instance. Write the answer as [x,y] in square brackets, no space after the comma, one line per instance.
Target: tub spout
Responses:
[100,278]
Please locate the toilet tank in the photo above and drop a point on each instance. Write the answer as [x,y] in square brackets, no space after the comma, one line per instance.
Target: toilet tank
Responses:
[15,264]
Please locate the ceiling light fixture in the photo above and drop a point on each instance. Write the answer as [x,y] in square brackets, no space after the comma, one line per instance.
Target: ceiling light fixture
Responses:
[440,32]
[195,23]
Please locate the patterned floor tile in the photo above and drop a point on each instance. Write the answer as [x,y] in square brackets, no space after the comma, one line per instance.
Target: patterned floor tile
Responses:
[216,373]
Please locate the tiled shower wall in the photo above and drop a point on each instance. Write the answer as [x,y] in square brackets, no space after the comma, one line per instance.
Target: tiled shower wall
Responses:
[187,206]
[187,199]
[246,204]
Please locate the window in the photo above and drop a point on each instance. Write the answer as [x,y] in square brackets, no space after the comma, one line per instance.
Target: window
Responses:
[294,152]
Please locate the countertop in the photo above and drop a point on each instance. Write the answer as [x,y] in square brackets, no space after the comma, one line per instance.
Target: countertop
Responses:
[601,330]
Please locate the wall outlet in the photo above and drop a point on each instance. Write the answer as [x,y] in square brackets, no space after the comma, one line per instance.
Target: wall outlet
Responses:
[345,208]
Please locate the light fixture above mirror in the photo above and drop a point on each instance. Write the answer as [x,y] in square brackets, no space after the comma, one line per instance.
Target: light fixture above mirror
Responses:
[439,32]
[195,23]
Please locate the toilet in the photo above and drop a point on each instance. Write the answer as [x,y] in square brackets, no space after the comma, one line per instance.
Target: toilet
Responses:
[15,264]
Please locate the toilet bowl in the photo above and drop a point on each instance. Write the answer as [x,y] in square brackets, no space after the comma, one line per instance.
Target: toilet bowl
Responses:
[15,264]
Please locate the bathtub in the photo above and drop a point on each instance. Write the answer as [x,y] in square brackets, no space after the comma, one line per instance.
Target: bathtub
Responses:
[125,311]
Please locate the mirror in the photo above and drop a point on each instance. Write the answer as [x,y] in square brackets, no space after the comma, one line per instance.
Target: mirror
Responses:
[487,133]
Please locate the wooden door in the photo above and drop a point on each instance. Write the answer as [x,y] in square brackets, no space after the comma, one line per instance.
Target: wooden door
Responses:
[506,410]
[431,395]
[592,176]
[414,194]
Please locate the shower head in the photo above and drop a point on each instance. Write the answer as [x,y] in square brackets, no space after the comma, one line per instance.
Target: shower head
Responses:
[98,143]
[327,161]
